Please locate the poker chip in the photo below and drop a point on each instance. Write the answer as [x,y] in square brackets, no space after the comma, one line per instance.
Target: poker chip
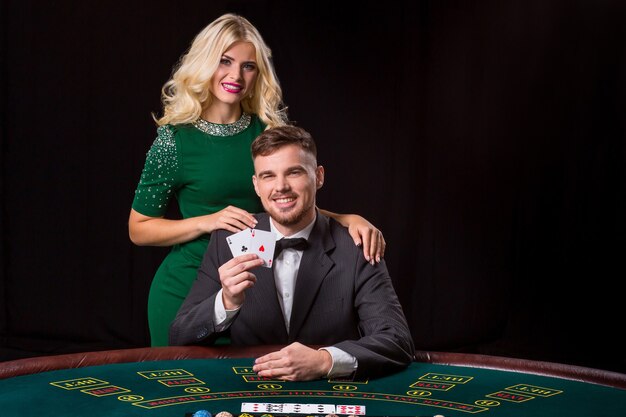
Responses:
[223,414]
[202,413]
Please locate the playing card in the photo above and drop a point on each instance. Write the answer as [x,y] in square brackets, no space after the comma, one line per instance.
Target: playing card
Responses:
[318,408]
[354,410]
[289,408]
[254,407]
[261,407]
[274,408]
[239,242]
[263,243]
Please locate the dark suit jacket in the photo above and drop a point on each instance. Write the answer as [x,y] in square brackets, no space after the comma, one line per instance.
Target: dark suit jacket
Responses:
[340,300]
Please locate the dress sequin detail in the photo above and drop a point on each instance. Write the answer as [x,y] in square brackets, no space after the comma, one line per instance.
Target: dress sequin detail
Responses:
[215,129]
[157,178]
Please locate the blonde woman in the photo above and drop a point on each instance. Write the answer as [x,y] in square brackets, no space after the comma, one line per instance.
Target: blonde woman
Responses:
[223,93]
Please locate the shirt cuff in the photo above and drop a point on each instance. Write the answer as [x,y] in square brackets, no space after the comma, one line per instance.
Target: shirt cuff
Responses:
[343,365]
[222,318]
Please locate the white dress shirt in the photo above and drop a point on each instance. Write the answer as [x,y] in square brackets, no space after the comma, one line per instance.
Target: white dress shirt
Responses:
[285,268]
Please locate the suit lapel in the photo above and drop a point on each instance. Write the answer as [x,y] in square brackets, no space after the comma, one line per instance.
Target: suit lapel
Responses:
[313,269]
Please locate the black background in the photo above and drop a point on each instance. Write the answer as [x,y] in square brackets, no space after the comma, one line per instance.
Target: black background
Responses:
[484,138]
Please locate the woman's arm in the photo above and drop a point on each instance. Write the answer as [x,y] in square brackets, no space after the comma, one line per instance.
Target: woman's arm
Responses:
[158,231]
[364,233]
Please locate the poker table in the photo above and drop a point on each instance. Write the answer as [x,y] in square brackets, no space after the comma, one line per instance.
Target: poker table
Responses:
[177,381]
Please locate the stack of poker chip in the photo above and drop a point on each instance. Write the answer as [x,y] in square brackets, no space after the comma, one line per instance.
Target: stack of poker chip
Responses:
[206,413]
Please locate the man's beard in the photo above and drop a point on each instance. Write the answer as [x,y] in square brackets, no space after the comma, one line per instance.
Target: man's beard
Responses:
[288,217]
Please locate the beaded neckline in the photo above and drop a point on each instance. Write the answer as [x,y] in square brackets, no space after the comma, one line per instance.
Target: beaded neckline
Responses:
[230,129]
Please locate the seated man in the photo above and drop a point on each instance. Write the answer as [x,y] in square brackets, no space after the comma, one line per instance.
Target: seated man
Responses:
[324,295]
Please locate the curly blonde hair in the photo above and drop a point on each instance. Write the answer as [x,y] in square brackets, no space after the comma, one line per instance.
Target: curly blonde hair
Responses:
[187,93]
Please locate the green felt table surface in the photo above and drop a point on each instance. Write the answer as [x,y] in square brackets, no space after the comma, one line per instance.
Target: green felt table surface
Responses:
[176,387]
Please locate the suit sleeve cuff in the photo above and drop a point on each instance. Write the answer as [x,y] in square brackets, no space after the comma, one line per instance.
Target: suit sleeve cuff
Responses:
[222,318]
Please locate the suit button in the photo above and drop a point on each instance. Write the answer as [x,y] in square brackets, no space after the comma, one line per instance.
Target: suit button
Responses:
[203,332]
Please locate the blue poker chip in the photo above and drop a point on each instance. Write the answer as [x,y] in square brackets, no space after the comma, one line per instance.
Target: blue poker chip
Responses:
[202,413]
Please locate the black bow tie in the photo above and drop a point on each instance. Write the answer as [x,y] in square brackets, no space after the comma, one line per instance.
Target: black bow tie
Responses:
[298,243]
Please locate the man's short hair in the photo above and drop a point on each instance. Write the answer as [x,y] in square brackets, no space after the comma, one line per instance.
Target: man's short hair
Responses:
[275,138]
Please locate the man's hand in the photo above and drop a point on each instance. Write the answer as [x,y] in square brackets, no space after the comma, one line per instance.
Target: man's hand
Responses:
[236,279]
[295,362]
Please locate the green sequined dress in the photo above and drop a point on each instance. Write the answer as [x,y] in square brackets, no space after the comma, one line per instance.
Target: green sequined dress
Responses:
[205,167]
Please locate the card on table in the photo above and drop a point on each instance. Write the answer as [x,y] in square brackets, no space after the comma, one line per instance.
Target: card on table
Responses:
[354,410]
[319,408]
[294,408]
[263,408]
[260,242]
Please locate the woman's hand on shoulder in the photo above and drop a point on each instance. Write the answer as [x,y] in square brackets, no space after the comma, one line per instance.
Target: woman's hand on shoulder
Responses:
[365,234]
[230,218]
